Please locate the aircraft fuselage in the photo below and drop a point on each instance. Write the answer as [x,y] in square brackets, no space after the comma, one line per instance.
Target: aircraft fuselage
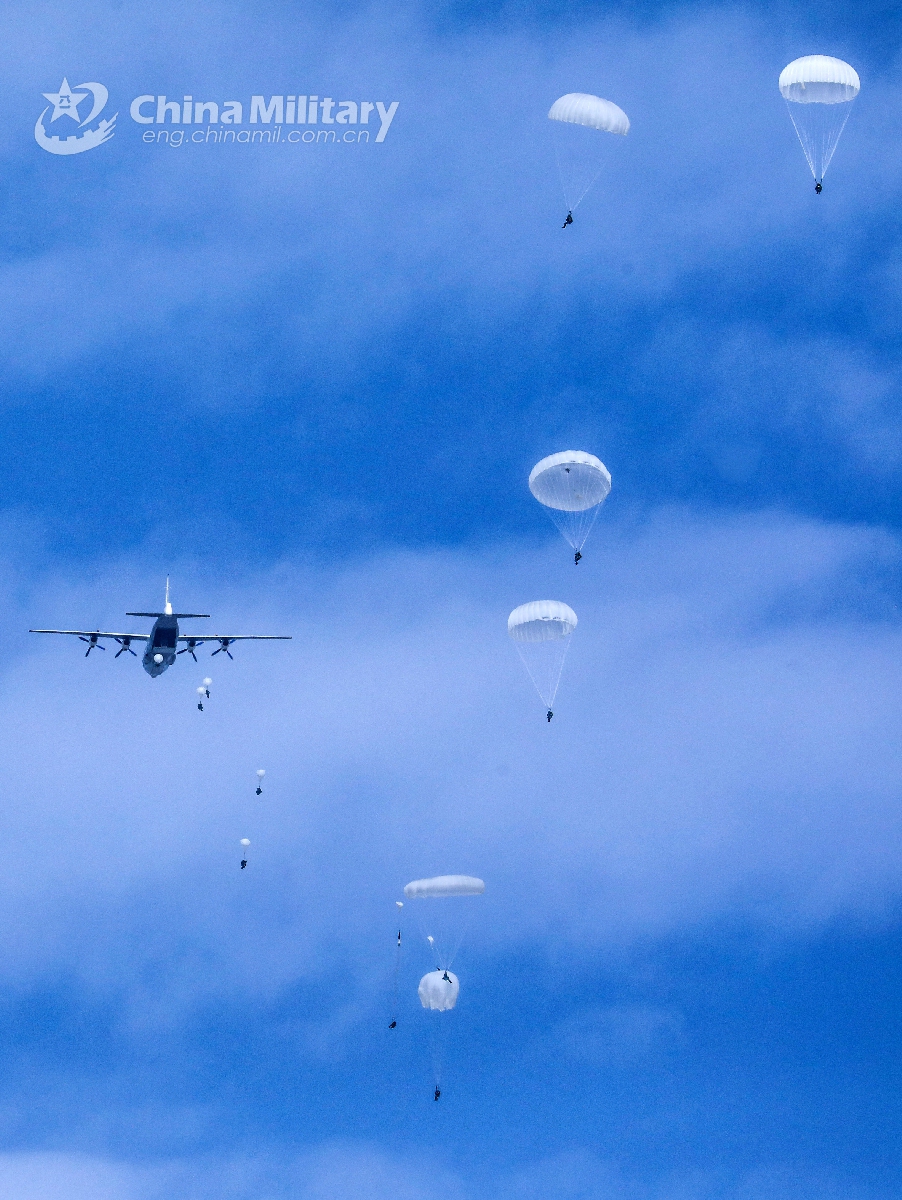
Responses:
[161,647]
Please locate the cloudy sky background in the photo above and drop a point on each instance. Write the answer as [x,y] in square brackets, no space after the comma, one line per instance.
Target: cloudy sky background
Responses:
[309,383]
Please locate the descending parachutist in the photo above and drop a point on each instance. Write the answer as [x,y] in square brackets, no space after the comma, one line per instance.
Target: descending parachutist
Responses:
[437,1094]
[571,485]
[200,698]
[549,715]
[207,683]
[819,92]
[245,842]
[569,221]
[446,976]
[260,775]
[576,557]
[394,1023]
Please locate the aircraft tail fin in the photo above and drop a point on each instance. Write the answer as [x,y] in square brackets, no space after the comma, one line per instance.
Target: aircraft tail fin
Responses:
[167,610]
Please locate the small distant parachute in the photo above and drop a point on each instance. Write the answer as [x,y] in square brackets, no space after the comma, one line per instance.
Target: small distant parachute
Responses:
[571,485]
[819,91]
[260,775]
[245,845]
[541,631]
[580,155]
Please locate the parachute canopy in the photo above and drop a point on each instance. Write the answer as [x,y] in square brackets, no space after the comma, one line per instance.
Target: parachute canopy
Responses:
[819,79]
[445,885]
[571,481]
[571,485]
[580,108]
[438,993]
[819,91]
[541,621]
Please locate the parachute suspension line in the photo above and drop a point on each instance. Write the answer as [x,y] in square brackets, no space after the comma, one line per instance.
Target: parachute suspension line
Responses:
[575,526]
[819,129]
[436,955]
[588,187]
[464,928]
[427,937]
[395,981]
[572,207]
[548,669]
[437,1031]
[443,955]
[560,175]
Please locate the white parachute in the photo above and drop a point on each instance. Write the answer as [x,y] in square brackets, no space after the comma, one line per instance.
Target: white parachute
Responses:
[819,91]
[443,925]
[444,885]
[572,486]
[580,154]
[438,990]
[541,631]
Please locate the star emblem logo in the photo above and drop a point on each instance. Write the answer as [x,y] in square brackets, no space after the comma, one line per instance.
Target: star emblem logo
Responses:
[65,102]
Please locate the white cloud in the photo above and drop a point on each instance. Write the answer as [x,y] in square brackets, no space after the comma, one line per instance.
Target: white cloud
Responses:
[617,1036]
[339,1170]
[724,742]
[48,1176]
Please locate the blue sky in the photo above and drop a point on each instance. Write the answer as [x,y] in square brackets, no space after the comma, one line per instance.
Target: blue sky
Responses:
[309,384]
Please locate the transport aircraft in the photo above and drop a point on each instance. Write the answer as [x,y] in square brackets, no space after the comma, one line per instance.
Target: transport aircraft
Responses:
[160,651]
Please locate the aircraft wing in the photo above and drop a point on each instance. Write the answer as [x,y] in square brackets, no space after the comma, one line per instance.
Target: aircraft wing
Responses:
[94,633]
[221,637]
[194,640]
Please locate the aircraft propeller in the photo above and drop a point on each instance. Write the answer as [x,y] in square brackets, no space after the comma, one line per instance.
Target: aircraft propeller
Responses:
[92,642]
[189,649]
[125,643]
[226,642]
